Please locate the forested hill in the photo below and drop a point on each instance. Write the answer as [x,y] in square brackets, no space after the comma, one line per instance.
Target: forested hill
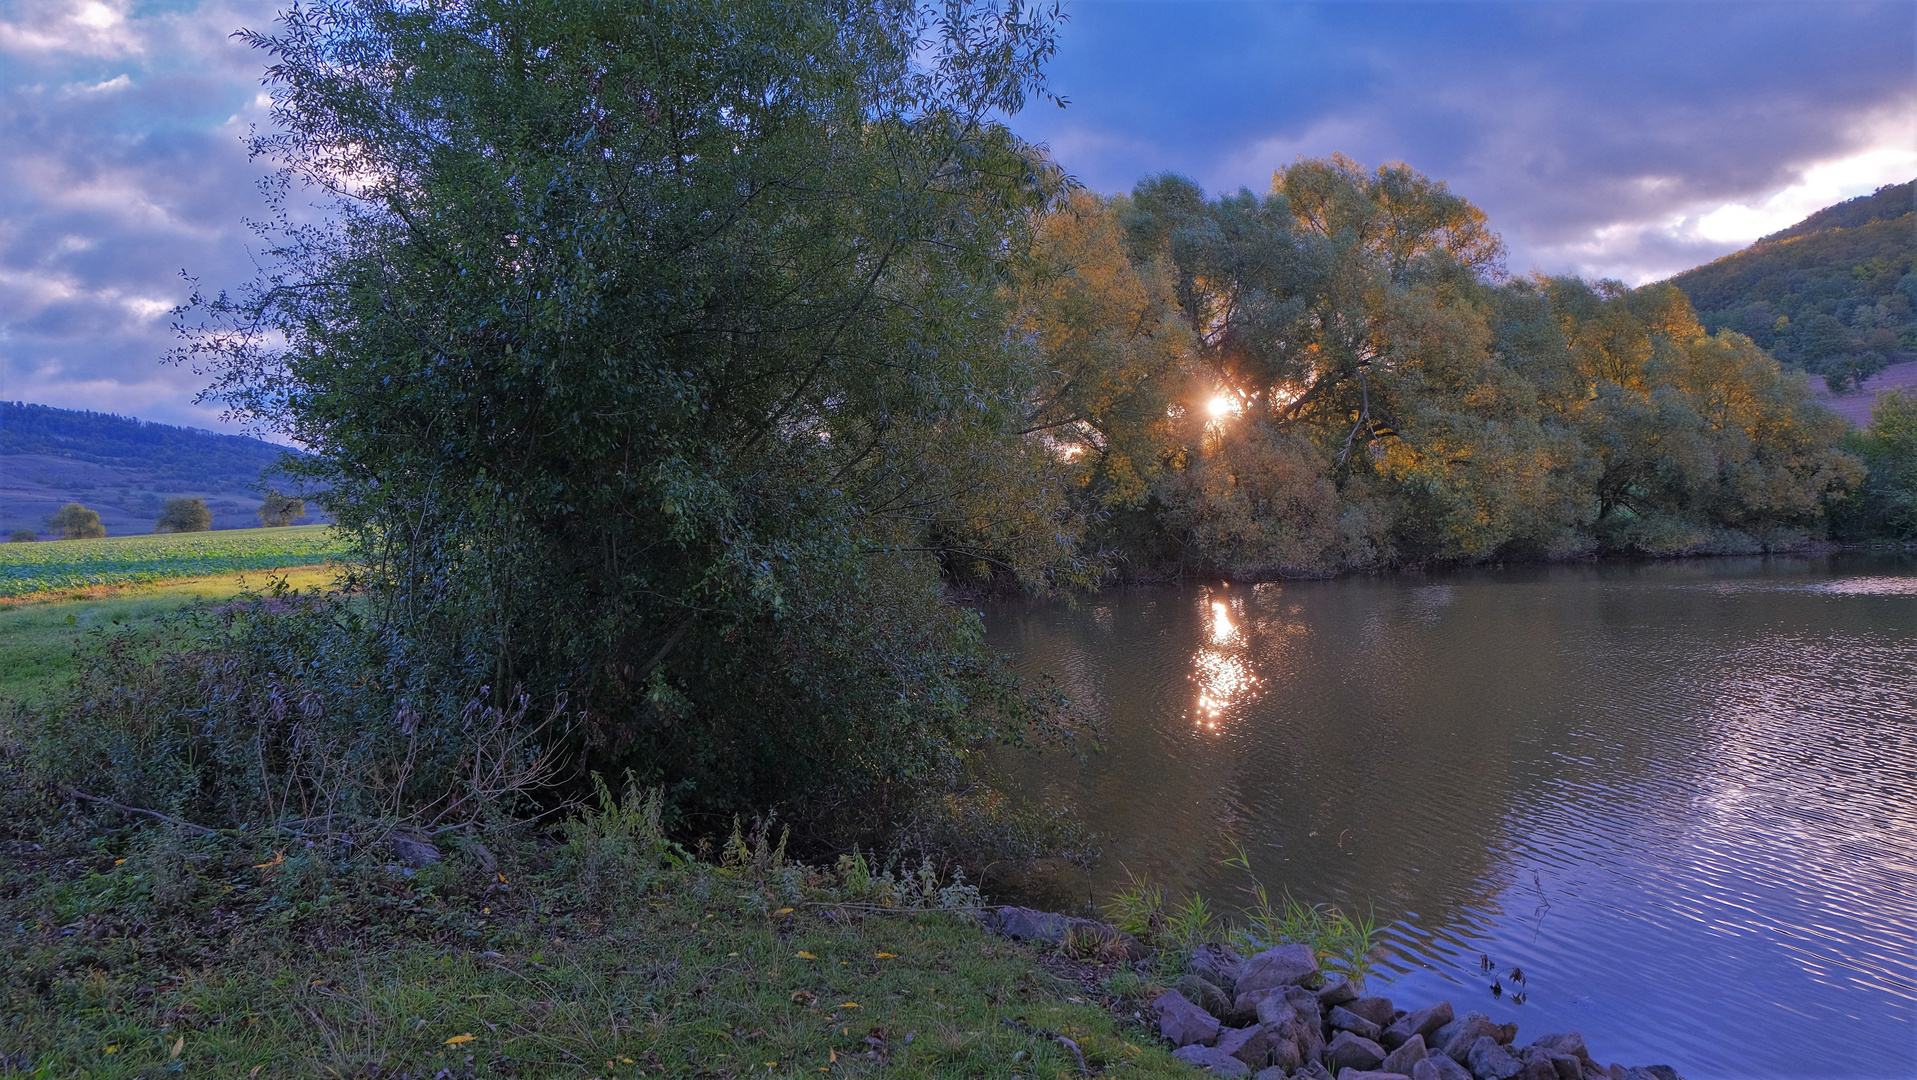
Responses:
[125,468]
[1833,293]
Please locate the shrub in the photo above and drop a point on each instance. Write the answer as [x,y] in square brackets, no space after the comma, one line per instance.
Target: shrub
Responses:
[185,515]
[76,522]
[23,536]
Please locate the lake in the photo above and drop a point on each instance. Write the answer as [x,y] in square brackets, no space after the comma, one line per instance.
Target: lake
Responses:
[1681,796]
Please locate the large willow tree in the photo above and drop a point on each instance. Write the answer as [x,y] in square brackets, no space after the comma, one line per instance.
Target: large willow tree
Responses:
[655,353]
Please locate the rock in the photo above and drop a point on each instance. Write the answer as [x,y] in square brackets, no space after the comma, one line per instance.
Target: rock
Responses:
[1349,1051]
[1405,1055]
[1537,1064]
[1088,934]
[1354,1074]
[1274,1073]
[414,849]
[1343,1019]
[1182,1022]
[1282,965]
[1569,1043]
[1338,991]
[1202,993]
[1439,1068]
[1209,1057]
[1489,1060]
[1378,1010]
[1311,1070]
[1310,1032]
[1649,1072]
[1459,1035]
[1423,1022]
[1567,1067]
[1507,1034]
[1216,964]
[1260,1045]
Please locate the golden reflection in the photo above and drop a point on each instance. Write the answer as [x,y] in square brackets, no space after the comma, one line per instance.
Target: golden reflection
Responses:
[1222,670]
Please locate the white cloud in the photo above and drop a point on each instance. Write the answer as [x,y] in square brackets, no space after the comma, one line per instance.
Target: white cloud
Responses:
[83,28]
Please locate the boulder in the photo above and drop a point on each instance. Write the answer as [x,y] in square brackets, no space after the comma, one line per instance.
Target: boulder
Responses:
[1537,1065]
[1216,964]
[1489,1060]
[1282,965]
[1568,1043]
[1378,1010]
[1650,1072]
[1439,1068]
[1210,1057]
[1202,993]
[1182,1022]
[1355,1074]
[413,848]
[1459,1035]
[1567,1067]
[1424,1022]
[1349,1051]
[1405,1055]
[1338,991]
[1311,1070]
[1343,1019]
[1089,934]
[1260,1045]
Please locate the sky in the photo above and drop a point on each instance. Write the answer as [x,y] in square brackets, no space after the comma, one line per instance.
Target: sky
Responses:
[1626,139]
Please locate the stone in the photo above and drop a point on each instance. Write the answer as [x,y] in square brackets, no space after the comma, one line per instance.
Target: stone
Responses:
[1260,1045]
[1405,1055]
[1567,1067]
[414,849]
[1311,1070]
[1282,965]
[1216,964]
[1276,1072]
[1424,1022]
[1338,991]
[1537,1064]
[1202,993]
[1343,1019]
[1182,1022]
[1439,1068]
[1489,1060]
[1349,1051]
[1087,934]
[1459,1035]
[1651,1072]
[1507,1034]
[1210,1057]
[1378,1010]
[1355,1074]
[1310,1032]
[1568,1043]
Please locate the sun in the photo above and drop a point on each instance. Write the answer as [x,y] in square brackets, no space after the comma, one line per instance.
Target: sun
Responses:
[1222,406]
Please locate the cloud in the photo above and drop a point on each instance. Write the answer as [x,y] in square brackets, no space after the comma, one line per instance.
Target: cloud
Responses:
[1596,135]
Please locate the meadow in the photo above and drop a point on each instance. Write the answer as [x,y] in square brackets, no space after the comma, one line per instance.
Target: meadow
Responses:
[62,567]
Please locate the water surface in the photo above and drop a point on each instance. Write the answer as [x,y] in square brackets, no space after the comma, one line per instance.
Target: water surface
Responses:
[1681,796]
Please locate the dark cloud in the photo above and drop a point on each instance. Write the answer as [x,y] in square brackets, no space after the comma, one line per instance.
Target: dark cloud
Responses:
[1585,130]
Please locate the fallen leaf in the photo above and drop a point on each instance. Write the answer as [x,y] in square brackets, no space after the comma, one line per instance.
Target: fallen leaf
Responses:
[783,911]
[848,1005]
[278,858]
[178,1045]
[885,956]
[461,1040]
[803,955]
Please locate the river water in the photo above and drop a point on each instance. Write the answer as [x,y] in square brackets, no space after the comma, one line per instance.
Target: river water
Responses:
[1681,796]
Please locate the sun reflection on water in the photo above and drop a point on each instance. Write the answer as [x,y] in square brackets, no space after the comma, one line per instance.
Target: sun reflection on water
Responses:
[1222,669]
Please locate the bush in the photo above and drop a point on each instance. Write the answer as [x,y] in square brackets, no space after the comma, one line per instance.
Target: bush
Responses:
[185,515]
[23,536]
[76,522]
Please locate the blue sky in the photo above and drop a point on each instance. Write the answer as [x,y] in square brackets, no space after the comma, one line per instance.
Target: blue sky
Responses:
[1627,138]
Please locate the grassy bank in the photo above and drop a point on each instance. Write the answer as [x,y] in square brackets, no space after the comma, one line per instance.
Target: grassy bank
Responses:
[136,949]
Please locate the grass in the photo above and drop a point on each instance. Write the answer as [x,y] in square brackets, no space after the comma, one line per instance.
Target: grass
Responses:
[134,952]
[67,567]
[38,634]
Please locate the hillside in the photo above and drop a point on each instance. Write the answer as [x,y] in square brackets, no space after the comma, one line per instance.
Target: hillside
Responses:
[1834,293]
[126,469]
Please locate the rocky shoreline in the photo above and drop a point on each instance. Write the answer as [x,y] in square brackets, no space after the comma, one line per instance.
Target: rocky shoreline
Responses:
[1276,1016]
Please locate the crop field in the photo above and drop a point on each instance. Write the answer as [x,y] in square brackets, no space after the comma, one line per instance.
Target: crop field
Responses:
[60,566]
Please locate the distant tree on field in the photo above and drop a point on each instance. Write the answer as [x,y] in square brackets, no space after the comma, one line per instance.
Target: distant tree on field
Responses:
[76,522]
[185,515]
[280,510]
[24,536]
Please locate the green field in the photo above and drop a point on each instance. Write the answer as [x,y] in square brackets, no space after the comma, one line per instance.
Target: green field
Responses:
[56,566]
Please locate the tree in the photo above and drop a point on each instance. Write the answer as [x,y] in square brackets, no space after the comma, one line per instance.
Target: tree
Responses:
[184,515]
[76,522]
[24,536]
[280,510]
[655,355]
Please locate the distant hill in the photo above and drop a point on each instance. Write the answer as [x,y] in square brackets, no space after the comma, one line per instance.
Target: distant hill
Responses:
[1830,293]
[126,469]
